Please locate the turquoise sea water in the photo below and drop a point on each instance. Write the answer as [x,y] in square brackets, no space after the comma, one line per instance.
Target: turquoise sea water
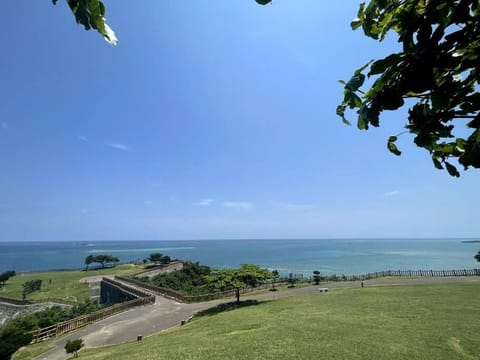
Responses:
[347,256]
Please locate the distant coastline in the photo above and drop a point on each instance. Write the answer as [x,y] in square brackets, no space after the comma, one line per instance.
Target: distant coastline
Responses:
[300,256]
[471,241]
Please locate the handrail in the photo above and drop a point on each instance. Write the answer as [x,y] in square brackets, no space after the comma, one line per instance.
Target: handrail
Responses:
[142,298]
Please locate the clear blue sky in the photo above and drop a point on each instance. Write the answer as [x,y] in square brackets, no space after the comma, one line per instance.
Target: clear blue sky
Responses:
[210,119]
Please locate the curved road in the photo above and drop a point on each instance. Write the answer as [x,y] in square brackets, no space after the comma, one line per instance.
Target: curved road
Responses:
[166,313]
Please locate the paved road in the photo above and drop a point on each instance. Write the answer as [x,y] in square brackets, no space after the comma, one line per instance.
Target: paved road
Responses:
[166,313]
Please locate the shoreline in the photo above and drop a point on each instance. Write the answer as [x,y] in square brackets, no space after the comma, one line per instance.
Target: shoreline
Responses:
[298,256]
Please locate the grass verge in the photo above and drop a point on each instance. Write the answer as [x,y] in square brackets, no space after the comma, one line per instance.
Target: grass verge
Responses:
[31,351]
[424,322]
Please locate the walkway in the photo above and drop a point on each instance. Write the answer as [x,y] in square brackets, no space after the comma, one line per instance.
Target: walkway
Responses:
[166,313]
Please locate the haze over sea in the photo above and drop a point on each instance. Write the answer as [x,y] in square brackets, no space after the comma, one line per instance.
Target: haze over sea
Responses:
[348,256]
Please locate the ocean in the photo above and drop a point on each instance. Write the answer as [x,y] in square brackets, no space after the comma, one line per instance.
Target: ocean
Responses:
[339,256]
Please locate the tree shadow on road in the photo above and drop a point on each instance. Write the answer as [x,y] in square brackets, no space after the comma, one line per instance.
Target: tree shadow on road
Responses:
[228,307]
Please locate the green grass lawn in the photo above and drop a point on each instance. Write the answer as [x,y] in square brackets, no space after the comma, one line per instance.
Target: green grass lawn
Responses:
[64,284]
[396,322]
[31,351]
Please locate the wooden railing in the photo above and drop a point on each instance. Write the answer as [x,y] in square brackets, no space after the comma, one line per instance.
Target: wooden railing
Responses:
[415,273]
[84,320]
[142,298]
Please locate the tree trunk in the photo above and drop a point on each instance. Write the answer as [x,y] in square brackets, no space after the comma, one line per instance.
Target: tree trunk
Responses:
[238,295]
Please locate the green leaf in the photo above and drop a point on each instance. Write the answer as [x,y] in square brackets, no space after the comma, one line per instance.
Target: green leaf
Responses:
[380,66]
[437,163]
[439,100]
[392,147]
[391,99]
[91,14]
[361,123]
[352,99]
[452,170]
[356,23]
[460,143]
[102,9]
[341,113]
[359,70]
[355,82]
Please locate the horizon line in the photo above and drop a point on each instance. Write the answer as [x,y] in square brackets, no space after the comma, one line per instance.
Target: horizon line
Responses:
[258,239]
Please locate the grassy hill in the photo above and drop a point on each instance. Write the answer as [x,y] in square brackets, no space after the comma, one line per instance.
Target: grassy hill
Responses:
[395,322]
[62,284]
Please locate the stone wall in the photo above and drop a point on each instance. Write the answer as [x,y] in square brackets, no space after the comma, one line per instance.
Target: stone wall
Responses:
[111,294]
[11,311]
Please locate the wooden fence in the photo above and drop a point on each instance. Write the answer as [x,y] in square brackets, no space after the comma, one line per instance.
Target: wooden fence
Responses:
[415,273]
[142,298]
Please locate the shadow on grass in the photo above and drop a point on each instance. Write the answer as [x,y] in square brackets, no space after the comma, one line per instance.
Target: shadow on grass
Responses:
[228,307]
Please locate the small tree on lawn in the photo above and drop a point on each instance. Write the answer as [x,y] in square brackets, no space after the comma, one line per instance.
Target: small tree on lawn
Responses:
[5,276]
[159,258]
[30,287]
[292,279]
[316,277]
[88,260]
[477,257]
[104,259]
[247,275]
[166,259]
[73,346]
[155,257]
[275,276]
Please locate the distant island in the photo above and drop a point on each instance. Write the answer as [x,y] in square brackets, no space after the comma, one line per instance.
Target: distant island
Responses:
[471,241]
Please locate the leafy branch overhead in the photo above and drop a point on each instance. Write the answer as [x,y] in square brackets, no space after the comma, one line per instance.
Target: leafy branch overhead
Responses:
[437,69]
[91,14]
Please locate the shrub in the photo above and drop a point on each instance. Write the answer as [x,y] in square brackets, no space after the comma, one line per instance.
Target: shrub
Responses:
[73,346]
[12,338]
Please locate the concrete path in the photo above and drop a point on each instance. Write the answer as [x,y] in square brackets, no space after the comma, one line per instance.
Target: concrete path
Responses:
[166,313]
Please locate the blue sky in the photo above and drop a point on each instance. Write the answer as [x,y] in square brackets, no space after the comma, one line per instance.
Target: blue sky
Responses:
[210,120]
